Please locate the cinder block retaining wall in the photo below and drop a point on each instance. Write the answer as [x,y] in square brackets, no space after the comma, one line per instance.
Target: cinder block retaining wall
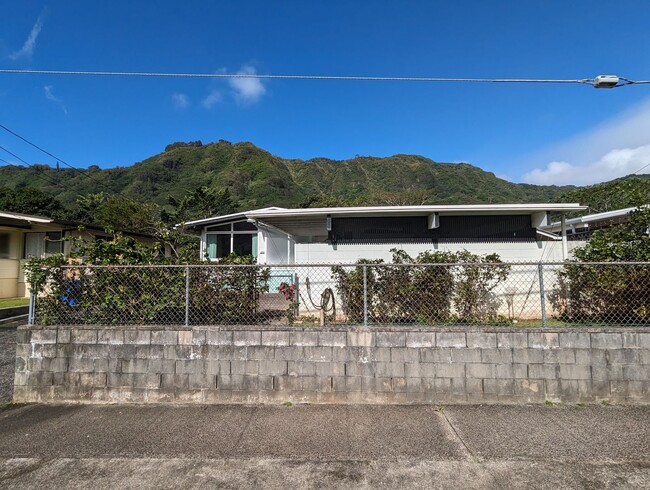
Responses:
[331,365]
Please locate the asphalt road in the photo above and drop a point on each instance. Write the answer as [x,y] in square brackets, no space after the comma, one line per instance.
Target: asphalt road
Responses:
[7,362]
[145,446]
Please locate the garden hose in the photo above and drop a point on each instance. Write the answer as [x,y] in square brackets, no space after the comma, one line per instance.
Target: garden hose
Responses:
[326,297]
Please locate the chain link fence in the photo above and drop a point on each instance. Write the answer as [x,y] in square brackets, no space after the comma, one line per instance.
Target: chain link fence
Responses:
[534,294]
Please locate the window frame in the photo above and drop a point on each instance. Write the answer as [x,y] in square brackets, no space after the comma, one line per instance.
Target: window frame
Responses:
[232,232]
[46,238]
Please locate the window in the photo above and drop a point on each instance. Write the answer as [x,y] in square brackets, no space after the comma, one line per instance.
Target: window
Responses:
[5,245]
[43,244]
[239,237]
[53,243]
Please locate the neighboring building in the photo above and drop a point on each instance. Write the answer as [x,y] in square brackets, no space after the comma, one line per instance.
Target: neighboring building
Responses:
[581,228]
[24,236]
[517,232]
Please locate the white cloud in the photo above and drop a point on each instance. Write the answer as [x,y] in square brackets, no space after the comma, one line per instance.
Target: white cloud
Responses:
[180,101]
[49,95]
[28,48]
[614,149]
[615,163]
[212,99]
[247,90]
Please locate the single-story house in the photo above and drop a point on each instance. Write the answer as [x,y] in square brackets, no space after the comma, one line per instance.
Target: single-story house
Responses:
[517,232]
[24,236]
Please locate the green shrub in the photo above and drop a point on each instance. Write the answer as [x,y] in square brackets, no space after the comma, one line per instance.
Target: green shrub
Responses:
[427,289]
[227,294]
[349,285]
[475,279]
[123,282]
[588,292]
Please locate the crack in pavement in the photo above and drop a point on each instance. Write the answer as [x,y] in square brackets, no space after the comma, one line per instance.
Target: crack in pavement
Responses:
[241,434]
[471,456]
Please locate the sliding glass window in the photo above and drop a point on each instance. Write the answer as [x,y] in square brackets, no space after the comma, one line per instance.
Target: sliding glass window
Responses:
[222,240]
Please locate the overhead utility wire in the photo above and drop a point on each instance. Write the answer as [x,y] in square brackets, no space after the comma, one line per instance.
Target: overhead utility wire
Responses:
[588,81]
[56,158]
[38,174]
[637,171]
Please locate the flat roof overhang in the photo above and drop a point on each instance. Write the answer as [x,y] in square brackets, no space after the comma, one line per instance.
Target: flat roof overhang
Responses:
[445,210]
[312,221]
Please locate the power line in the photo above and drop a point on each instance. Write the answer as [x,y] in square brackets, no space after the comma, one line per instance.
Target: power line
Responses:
[646,165]
[620,81]
[56,158]
[38,174]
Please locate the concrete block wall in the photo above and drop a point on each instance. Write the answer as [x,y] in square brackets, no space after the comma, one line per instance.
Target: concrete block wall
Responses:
[331,365]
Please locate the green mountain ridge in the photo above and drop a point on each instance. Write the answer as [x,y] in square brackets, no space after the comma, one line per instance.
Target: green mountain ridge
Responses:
[257,178]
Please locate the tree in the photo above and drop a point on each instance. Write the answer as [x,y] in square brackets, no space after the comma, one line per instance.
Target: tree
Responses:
[621,193]
[612,293]
[199,203]
[28,200]
[118,213]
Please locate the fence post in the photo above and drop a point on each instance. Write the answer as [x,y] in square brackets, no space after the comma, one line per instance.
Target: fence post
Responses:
[32,309]
[187,295]
[365,296]
[542,294]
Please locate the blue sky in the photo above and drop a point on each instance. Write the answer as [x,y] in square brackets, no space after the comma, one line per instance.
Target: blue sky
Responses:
[533,133]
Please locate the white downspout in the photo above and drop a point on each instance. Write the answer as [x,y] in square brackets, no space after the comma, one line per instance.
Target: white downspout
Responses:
[565,245]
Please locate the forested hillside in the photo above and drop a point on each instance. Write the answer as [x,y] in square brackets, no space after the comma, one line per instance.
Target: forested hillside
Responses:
[256,178]
[191,180]
[616,194]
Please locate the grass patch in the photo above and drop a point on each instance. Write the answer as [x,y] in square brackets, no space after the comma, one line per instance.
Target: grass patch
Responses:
[10,302]
[538,323]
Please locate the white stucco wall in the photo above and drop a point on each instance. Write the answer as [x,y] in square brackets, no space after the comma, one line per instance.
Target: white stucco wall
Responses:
[519,295]
[311,253]
[275,248]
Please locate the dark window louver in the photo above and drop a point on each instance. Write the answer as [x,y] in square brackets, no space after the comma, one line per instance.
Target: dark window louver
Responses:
[414,229]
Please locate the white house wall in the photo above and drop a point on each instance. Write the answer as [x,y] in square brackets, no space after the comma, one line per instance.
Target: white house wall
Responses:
[278,248]
[522,287]
[314,253]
